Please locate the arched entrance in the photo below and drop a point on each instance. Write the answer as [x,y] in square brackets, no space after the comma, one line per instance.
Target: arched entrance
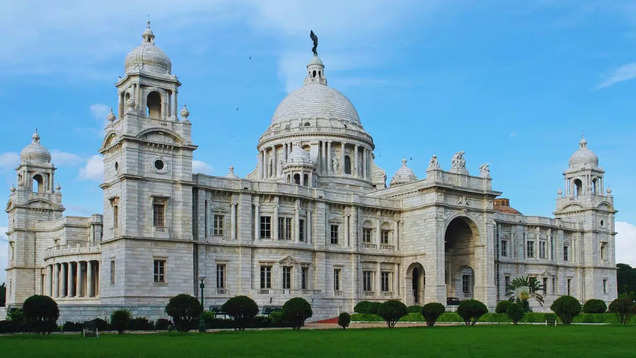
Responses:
[460,260]
[415,283]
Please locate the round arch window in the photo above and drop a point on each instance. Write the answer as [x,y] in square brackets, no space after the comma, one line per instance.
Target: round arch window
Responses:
[159,164]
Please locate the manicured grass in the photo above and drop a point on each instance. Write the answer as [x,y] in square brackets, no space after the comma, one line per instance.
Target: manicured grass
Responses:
[479,341]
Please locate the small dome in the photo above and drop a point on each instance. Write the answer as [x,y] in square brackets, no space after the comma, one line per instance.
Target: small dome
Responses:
[315,61]
[231,174]
[583,157]
[35,152]
[403,175]
[299,156]
[147,56]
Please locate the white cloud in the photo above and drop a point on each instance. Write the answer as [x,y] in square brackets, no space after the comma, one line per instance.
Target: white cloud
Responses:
[93,170]
[626,243]
[623,73]
[4,253]
[201,167]
[61,158]
[99,111]
[9,160]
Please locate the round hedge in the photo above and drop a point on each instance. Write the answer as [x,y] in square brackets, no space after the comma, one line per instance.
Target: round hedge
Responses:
[367,307]
[40,313]
[392,311]
[185,310]
[594,306]
[119,320]
[502,307]
[431,312]
[471,310]
[344,319]
[241,309]
[566,307]
[296,311]
[515,312]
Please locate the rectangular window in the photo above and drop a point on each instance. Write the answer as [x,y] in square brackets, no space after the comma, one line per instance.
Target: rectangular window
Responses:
[304,276]
[466,283]
[385,281]
[220,276]
[385,236]
[301,230]
[542,249]
[287,277]
[266,227]
[507,282]
[530,249]
[334,234]
[367,281]
[545,285]
[504,248]
[218,225]
[115,216]
[366,236]
[566,253]
[569,285]
[554,285]
[336,280]
[160,270]
[158,213]
[284,228]
[112,272]
[604,285]
[266,276]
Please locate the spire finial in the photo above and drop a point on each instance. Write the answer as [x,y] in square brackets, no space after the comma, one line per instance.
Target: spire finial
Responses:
[583,142]
[403,162]
[36,136]
[148,35]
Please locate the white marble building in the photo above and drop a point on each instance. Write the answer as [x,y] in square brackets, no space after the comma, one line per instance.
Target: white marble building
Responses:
[313,219]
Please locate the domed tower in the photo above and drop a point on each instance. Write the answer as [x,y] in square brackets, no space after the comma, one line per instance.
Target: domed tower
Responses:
[403,175]
[585,202]
[34,200]
[147,185]
[323,122]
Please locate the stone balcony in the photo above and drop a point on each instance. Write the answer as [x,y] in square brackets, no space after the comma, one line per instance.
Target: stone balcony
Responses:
[78,248]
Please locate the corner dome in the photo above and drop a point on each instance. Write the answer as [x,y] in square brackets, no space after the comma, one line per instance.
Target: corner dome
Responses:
[35,152]
[583,157]
[299,156]
[403,175]
[316,100]
[147,56]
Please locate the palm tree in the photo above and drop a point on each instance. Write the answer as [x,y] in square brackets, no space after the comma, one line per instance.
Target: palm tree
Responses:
[525,287]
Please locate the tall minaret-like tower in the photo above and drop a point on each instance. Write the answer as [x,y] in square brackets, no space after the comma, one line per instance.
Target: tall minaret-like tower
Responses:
[585,202]
[147,185]
[34,200]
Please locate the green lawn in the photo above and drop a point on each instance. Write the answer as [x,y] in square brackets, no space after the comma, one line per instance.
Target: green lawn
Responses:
[479,341]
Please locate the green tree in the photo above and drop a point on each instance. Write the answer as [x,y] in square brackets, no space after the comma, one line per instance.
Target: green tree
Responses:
[184,311]
[515,312]
[624,307]
[392,311]
[523,288]
[120,320]
[471,310]
[566,307]
[431,312]
[40,314]
[344,319]
[625,279]
[296,311]
[242,309]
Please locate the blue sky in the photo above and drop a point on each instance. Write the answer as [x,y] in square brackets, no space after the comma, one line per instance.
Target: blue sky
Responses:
[512,83]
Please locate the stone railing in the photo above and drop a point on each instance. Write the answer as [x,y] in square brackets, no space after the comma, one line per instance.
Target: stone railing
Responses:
[387,247]
[80,248]
[366,245]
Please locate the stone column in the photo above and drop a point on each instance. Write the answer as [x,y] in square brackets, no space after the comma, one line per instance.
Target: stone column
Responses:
[89,279]
[342,158]
[67,279]
[364,162]
[323,159]
[308,227]
[56,280]
[329,158]
[274,229]
[233,221]
[49,284]
[378,280]
[355,167]
[296,220]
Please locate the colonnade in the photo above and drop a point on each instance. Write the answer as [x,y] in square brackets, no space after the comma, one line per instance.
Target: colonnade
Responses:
[73,279]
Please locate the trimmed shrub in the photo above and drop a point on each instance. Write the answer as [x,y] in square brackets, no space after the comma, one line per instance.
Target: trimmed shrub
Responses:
[367,307]
[431,312]
[10,326]
[502,307]
[624,307]
[391,311]
[494,317]
[296,311]
[72,326]
[566,307]
[208,316]
[344,319]
[15,315]
[119,320]
[40,314]
[99,323]
[162,324]
[276,317]
[515,312]
[184,310]
[141,324]
[241,309]
[471,310]
[414,309]
[594,306]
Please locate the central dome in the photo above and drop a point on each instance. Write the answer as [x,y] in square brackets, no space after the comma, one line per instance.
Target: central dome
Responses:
[315,100]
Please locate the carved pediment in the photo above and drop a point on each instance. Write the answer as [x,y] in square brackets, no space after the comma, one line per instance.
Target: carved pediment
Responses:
[161,137]
[288,261]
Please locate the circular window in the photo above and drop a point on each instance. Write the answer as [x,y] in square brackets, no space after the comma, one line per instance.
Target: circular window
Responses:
[159,164]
